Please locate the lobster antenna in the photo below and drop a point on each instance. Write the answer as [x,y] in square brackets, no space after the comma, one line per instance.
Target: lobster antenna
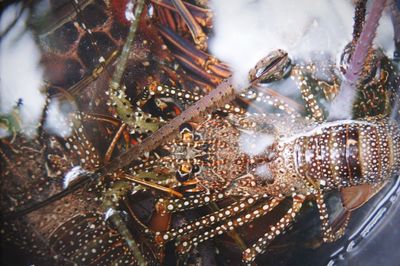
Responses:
[349,84]
[395,16]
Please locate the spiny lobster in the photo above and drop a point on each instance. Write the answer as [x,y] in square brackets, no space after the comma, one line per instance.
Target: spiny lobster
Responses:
[235,156]
[262,159]
[308,161]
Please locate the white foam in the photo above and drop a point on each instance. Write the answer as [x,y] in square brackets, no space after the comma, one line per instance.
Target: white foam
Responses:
[254,143]
[110,212]
[246,30]
[57,120]
[129,15]
[263,171]
[20,71]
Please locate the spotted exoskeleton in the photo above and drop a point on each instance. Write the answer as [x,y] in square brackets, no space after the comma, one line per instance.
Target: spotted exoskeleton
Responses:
[263,159]
[241,155]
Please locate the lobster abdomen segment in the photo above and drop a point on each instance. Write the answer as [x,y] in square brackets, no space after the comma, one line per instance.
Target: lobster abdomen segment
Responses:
[347,153]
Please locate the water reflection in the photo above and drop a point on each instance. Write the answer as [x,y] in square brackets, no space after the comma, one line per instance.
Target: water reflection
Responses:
[375,232]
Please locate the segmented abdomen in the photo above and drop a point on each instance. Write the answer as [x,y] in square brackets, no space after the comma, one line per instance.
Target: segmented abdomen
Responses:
[348,153]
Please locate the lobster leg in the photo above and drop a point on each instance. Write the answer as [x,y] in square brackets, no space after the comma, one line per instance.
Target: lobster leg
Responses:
[96,73]
[187,98]
[186,243]
[260,246]
[118,98]
[312,105]
[79,143]
[206,221]
[328,234]
[201,72]
[101,118]
[199,37]
[272,98]
[200,61]
[202,16]
[187,203]
[162,18]
[92,231]
[114,141]
[169,19]
[118,191]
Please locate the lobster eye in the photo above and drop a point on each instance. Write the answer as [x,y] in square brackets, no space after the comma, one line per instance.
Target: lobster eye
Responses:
[197,136]
[184,172]
[187,136]
[187,132]
[181,177]
[160,104]
[185,127]
[195,169]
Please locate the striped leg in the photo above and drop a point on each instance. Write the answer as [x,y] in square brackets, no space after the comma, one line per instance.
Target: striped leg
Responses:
[187,203]
[185,244]
[274,99]
[312,105]
[260,246]
[206,221]
[187,98]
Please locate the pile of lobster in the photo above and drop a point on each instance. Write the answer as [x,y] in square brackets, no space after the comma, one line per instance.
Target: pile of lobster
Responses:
[163,153]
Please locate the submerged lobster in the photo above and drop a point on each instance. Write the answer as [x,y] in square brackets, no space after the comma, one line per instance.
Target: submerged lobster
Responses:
[241,156]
